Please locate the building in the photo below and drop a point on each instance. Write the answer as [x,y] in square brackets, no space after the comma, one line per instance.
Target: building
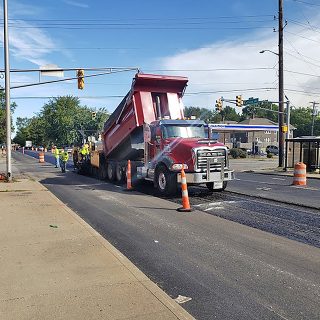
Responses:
[250,133]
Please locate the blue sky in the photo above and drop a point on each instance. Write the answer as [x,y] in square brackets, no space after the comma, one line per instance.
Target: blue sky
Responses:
[215,43]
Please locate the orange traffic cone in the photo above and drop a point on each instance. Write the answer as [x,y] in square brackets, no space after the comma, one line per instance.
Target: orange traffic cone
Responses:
[129,185]
[185,197]
[41,157]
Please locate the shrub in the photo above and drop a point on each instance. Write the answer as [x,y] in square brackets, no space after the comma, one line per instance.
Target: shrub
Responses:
[238,153]
[269,155]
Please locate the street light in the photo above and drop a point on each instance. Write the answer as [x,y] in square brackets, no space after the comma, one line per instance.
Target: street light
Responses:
[281,100]
[263,51]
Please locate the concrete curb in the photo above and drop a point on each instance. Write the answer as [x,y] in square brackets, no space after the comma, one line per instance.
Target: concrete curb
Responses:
[166,300]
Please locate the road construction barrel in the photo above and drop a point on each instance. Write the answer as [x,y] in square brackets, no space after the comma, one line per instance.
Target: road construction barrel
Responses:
[300,174]
[41,157]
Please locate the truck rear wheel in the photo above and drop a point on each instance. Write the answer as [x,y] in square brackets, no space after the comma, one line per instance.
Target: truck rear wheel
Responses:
[210,186]
[165,181]
[119,173]
[111,171]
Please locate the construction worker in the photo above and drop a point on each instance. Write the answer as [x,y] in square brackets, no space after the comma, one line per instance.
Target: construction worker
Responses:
[64,157]
[84,151]
[56,153]
[75,157]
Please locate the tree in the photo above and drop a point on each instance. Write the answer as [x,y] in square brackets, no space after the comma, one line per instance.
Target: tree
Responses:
[59,122]
[252,111]
[200,113]
[229,113]
[3,121]
[301,118]
[23,132]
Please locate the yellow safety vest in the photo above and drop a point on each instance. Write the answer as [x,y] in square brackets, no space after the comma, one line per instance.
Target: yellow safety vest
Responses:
[65,156]
[56,152]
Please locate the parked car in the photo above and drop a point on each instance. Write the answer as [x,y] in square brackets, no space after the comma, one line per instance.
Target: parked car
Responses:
[248,151]
[272,149]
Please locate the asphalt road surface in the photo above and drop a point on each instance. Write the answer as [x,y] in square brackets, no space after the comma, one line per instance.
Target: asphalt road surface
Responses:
[229,269]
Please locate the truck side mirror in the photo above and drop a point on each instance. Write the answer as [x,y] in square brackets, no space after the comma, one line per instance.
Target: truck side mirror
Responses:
[158,134]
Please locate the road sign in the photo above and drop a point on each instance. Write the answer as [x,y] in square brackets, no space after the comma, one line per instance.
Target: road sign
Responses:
[251,101]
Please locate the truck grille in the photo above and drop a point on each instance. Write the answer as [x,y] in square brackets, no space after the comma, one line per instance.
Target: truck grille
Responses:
[215,157]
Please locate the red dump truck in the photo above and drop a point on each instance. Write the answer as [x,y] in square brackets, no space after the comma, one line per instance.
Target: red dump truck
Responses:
[149,129]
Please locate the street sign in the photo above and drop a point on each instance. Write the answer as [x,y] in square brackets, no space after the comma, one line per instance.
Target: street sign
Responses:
[251,101]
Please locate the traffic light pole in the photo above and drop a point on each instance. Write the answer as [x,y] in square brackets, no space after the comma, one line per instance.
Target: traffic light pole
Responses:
[281,93]
[7,89]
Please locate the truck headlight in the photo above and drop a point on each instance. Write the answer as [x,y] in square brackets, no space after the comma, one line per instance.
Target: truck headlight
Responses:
[179,166]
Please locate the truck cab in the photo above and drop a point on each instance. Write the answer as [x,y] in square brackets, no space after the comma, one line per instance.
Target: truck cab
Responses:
[176,144]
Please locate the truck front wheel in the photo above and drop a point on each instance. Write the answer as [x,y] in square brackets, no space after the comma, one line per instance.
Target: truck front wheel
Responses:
[210,186]
[165,181]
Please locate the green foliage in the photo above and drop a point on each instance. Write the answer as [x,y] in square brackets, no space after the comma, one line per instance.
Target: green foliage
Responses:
[227,113]
[301,118]
[59,122]
[269,155]
[200,113]
[251,111]
[3,115]
[238,153]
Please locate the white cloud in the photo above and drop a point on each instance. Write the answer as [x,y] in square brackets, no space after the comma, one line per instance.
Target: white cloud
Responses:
[26,41]
[245,55]
[76,4]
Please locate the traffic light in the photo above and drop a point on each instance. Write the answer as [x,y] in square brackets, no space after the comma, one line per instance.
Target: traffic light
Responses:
[93,115]
[80,75]
[219,104]
[239,101]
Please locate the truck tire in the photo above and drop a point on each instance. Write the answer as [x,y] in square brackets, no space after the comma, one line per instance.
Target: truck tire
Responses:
[119,173]
[165,181]
[210,186]
[111,171]
[102,173]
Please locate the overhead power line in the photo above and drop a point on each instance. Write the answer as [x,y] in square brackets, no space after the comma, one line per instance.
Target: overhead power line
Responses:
[145,19]
[307,3]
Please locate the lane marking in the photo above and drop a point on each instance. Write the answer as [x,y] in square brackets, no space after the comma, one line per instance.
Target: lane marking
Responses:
[264,189]
[261,182]
[214,205]
[279,179]
[182,299]
[307,188]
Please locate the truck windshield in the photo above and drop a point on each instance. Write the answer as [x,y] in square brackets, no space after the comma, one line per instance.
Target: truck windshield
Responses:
[173,131]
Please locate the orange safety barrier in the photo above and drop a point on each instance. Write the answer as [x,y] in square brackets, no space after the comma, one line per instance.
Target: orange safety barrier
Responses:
[129,184]
[300,174]
[41,157]
[185,196]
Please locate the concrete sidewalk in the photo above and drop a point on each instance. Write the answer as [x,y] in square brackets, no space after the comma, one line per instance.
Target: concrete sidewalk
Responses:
[53,265]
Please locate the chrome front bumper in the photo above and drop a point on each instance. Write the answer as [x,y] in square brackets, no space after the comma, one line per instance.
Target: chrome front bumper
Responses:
[203,177]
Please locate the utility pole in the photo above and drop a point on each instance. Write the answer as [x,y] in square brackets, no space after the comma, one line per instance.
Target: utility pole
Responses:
[7,88]
[281,93]
[288,119]
[314,113]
